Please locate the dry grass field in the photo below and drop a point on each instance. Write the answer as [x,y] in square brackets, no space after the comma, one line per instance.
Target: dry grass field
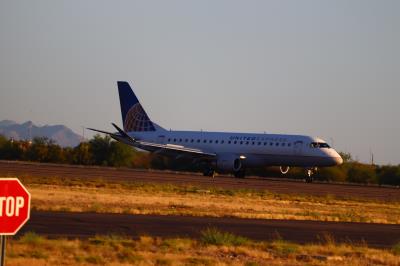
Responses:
[77,195]
[214,248]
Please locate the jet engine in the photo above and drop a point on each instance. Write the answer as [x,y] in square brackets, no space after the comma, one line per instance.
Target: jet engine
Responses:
[230,163]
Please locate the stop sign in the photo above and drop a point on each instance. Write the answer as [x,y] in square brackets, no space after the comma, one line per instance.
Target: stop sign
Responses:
[15,203]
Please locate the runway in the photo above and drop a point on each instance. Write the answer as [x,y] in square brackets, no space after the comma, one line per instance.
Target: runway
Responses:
[8,168]
[83,225]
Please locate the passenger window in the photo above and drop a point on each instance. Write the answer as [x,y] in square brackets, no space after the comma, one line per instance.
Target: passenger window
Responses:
[283,144]
[205,141]
[265,143]
[235,142]
[277,144]
[270,144]
[192,140]
[169,140]
[259,143]
[198,141]
[180,140]
[186,140]
[247,143]
[289,145]
[174,140]
[222,142]
[241,142]
[210,141]
[216,141]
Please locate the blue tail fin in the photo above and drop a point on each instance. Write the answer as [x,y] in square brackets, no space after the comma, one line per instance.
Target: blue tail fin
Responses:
[134,118]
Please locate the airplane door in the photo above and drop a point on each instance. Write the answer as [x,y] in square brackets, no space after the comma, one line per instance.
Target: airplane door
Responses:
[297,147]
[161,139]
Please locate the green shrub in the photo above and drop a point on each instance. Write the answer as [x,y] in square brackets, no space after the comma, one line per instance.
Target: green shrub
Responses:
[336,174]
[362,173]
[213,236]
[396,249]
[284,248]
[389,175]
[31,238]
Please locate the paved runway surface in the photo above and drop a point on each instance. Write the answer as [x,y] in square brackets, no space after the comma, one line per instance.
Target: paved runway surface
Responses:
[82,225]
[270,184]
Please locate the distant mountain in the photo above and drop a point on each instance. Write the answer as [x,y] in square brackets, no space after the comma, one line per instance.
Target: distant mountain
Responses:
[61,134]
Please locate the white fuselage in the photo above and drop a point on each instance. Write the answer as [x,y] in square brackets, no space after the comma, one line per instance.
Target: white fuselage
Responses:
[257,149]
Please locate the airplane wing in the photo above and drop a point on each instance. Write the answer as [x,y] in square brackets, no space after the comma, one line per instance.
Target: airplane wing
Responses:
[164,149]
[174,150]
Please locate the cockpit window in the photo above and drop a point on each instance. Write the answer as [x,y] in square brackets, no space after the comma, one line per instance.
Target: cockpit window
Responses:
[321,145]
[324,145]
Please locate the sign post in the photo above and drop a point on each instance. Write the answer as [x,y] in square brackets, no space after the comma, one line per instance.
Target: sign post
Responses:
[15,203]
[3,250]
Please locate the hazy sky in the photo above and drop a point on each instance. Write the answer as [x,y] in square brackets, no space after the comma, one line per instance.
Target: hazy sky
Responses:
[323,68]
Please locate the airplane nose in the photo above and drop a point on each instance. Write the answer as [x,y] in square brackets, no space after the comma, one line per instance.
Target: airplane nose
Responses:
[334,158]
[338,160]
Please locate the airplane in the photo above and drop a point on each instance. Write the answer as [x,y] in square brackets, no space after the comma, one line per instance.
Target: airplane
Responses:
[220,151]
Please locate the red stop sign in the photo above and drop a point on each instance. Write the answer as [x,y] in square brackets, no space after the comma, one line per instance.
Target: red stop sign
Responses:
[15,203]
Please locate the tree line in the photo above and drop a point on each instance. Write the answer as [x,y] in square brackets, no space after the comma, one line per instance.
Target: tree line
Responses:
[104,151]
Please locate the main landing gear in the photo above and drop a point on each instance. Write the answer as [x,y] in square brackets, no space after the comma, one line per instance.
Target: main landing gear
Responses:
[209,172]
[240,174]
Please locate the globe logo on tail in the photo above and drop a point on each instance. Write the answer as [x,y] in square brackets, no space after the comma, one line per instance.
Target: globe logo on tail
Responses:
[137,120]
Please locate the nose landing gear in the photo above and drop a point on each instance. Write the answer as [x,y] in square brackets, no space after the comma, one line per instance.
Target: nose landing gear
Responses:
[309,174]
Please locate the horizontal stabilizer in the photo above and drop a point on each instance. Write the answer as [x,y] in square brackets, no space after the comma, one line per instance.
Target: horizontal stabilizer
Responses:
[123,133]
[121,136]
[100,131]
